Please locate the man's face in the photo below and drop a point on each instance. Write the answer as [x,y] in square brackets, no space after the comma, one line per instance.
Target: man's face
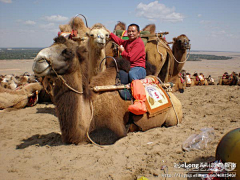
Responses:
[132,33]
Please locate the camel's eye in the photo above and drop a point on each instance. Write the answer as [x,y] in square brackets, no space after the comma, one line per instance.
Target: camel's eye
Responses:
[107,35]
[91,35]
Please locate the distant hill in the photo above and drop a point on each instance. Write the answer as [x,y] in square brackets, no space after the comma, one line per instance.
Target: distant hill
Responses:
[18,53]
[199,57]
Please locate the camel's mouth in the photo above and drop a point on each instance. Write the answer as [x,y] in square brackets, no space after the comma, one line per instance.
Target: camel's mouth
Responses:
[101,44]
[186,46]
[41,67]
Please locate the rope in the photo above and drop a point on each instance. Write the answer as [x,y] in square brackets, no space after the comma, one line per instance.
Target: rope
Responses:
[64,82]
[157,46]
[89,138]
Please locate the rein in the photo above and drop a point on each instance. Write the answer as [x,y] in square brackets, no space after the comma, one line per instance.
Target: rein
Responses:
[63,80]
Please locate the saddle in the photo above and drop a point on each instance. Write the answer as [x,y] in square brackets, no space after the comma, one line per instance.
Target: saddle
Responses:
[157,100]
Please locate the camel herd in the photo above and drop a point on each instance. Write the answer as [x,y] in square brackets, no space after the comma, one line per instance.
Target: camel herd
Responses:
[76,62]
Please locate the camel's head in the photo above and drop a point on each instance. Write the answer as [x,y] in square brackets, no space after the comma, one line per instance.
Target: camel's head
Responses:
[182,42]
[59,57]
[98,36]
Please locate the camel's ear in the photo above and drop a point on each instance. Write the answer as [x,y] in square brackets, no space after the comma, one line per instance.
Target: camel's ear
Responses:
[174,39]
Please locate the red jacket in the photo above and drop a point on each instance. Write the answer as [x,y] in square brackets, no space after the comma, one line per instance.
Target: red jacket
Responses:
[134,50]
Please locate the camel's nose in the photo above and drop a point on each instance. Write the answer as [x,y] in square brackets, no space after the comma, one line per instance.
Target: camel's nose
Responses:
[100,36]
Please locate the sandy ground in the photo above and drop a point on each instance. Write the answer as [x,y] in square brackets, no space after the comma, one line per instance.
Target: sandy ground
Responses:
[31,147]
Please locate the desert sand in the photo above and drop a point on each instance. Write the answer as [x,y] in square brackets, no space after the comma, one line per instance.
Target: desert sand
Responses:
[31,146]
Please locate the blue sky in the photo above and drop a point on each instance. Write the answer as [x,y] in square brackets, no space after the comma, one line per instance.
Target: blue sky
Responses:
[210,24]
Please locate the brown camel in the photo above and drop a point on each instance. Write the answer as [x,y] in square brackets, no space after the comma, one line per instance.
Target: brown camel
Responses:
[199,79]
[17,98]
[75,106]
[159,54]
[180,82]
[229,79]
[189,80]
[179,49]
[210,80]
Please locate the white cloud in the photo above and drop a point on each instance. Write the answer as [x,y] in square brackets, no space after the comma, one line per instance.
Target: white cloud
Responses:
[155,11]
[55,18]
[199,15]
[50,27]
[29,22]
[6,1]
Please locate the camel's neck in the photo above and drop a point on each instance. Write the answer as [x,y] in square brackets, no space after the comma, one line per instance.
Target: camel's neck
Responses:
[95,57]
[180,56]
[73,109]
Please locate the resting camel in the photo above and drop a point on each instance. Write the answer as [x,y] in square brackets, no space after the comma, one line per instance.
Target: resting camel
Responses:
[17,98]
[79,109]
[189,80]
[226,79]
[179,81]
[199,79]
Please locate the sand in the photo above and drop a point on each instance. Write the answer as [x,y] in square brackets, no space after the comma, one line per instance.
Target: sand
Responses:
[31,147]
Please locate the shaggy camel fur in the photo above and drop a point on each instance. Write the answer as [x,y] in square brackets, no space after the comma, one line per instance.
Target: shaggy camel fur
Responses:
[159,54]
[17,98]
[78,25]
[74,110]
[98,36]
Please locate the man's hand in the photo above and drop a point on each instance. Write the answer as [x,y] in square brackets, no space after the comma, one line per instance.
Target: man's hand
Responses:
[121,49]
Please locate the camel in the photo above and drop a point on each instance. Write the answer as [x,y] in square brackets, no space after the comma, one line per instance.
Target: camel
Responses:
[210,80]
[227,79]
[13,82]
[81,111]
[159,54]
[189,80]
[76,30]
[98,36]
[18,98]
[179,49]
[199,79]
[94,39]
[180,82]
